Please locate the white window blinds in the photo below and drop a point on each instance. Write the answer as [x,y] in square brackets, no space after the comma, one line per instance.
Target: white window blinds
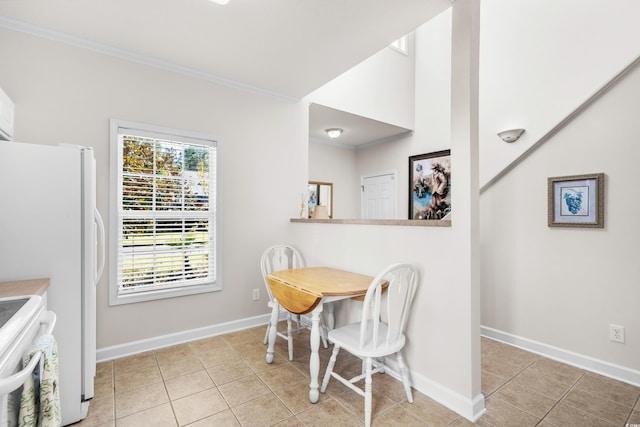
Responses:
[166,212]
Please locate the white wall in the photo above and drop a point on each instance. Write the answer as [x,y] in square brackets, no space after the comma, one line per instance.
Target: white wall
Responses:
[560,286]
[540,60]
[65,94]
[379,88]
[337,165]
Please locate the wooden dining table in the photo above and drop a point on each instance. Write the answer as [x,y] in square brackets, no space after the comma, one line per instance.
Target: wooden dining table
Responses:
[305,291]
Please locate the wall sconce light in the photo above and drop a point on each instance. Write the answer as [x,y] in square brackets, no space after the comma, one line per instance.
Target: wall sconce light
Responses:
[510,135]
[334,132]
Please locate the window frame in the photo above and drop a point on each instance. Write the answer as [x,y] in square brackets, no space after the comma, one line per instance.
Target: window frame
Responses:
[116,127]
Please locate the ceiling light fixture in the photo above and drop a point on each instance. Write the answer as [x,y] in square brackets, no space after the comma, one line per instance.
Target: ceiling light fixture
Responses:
[334,132]
[220,2]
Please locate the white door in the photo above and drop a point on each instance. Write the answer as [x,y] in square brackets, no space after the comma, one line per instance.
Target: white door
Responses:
[379,196]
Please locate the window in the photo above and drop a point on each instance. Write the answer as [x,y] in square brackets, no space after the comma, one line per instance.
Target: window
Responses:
[163,213]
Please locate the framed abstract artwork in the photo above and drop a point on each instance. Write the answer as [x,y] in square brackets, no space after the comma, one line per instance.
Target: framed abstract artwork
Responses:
[430,186]
[576,201]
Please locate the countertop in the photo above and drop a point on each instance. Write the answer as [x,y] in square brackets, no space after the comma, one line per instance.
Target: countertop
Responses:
[23,287]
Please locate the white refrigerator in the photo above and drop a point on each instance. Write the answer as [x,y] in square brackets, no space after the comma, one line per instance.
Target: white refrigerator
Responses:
[50,227]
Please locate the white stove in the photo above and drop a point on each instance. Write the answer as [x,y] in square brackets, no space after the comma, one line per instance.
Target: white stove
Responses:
[21,319]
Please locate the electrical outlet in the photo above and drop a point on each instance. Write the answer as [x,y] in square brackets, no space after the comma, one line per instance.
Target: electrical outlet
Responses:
[256,294]
[616,333]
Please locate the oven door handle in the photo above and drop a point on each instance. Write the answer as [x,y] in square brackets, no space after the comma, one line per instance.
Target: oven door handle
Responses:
[9,384]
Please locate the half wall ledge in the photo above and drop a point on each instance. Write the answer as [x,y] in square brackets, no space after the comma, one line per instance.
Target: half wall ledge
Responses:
[401,222]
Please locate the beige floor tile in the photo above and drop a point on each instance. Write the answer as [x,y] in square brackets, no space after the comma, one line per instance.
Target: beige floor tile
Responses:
[355,403]
[172,368]
[253,334]
[229,372]
[209,344]
[296,396]
[266,410]
[559,371]
[136,379]
[595,405]
[179,351]
[248,349]
[104,372]
[428,410]
[188,384]
[548,386]
[396,416]
[389,387]
[610,389]
[567,416]
[135,362]
[526,399]
[501,413]
[101,411]
[243,390]
[281,376]
[221,419]
[494,365]
[491,383]
[514,356]
[159,416]
[103,389]
[218,356]
[634,418]
[292,421]
[198,406]
[136,400]
[328,413]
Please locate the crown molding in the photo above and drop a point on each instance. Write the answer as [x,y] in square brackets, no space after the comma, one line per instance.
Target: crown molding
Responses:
[61,37]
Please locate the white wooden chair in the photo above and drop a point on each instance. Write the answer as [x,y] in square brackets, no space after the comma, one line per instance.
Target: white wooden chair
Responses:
[282,257]
[379,333]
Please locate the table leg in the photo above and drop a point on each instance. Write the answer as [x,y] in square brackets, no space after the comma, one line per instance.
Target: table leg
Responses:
[331,318]
[275,315]
[314,360]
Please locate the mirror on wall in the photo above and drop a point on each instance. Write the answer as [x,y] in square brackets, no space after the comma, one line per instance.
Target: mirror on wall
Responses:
[320,199]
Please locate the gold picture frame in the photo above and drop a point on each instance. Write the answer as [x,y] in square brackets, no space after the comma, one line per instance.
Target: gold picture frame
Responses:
[576,201]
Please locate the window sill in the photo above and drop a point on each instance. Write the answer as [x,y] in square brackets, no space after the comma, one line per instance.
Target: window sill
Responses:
[400,222]
[157,294]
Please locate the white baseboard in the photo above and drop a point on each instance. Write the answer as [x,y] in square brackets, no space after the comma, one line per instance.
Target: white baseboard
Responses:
[472,409]
[607,369]
[135,347]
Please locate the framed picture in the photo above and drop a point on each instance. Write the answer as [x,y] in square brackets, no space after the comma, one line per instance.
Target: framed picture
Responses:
[320,194]
[430,186]
[576,201]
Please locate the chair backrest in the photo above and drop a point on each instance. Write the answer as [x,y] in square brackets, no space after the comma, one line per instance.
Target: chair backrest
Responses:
[279,257]
[390,306]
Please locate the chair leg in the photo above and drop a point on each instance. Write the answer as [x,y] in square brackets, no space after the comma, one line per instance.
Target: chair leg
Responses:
[404,373]
[266,334]
[330,365]
[290,338]
[324,335]
[368,392]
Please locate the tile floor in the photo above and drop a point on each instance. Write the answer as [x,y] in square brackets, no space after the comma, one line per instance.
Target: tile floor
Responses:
[224,381]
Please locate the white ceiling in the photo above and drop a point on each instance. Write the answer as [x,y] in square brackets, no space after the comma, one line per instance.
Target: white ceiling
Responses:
[285,47]
[358,130]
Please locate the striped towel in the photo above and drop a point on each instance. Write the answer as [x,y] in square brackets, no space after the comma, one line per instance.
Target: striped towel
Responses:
[40,402]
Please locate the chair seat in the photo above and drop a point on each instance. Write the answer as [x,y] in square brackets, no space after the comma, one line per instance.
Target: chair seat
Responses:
[348,338]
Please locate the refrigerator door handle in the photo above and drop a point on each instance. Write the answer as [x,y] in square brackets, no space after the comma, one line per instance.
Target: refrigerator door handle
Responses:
[100,224]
